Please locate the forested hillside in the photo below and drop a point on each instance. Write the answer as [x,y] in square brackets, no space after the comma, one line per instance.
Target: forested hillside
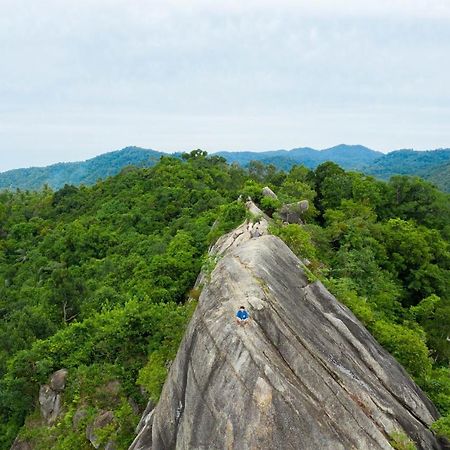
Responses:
[433,166]
[348,156]
[430,165]
[96,279]
[76,173]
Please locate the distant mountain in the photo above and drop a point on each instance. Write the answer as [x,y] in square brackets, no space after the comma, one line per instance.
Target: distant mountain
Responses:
[348,156]
[432,165]
[85,172]
[439,176]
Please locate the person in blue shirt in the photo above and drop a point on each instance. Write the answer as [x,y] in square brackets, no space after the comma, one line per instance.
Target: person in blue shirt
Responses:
[242,316]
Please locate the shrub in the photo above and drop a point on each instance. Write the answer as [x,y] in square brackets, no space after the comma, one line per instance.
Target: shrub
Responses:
[406,345]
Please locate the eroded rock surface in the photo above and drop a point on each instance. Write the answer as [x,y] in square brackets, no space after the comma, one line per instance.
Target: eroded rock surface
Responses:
[303,374]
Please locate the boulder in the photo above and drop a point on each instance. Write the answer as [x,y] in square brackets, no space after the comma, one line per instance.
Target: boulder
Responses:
[78,417]
[304,373]
[267,192]
[58,380]
[111,445]
[145,416]
[50,399]
[103,419]
[293,212]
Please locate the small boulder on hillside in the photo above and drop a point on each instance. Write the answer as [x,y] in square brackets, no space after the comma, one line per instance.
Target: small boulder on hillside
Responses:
[267,192]
[58,380]
[293,212]
[103,419]
[50,400]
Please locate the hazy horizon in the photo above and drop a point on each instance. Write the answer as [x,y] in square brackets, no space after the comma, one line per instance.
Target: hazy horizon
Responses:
[82,78]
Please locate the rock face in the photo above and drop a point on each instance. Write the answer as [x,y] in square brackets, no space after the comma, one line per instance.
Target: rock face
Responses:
[302,374]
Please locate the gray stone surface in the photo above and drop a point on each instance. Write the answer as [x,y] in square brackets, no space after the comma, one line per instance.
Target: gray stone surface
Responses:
[145,416]
[50,403]
[50,400]
[293,212]
[58,380]
[79,415]
[303,374]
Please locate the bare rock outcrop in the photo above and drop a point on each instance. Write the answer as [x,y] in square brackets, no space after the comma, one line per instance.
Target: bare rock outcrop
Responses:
[293,212]
[304,374]
[50,396]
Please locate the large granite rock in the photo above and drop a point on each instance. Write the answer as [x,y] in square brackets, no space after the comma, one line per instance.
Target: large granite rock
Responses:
[303,374]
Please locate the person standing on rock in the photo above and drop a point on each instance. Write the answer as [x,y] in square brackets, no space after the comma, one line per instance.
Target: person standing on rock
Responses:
[242,316]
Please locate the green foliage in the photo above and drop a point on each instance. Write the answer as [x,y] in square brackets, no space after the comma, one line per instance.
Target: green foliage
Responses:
[426,308]
[439,176]
[400,441]
[269,205]
[431,165]
[153,374]
[407,345]
[437,386]
[297,239]
[229,216]
[87,172]
[442,427]
[344,290]
[252,189]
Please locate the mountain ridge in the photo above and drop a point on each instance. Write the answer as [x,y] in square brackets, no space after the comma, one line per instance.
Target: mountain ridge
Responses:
[78,172]
[432,165]
[304,368]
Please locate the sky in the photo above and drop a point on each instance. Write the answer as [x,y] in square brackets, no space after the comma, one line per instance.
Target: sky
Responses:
[80,78]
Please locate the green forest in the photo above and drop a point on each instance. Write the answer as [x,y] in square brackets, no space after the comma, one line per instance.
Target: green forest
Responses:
[99,279]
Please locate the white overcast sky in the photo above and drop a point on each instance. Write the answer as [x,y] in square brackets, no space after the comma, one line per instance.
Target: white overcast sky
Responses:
[79,78]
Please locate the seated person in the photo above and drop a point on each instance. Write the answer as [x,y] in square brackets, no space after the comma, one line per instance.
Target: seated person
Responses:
[242,316]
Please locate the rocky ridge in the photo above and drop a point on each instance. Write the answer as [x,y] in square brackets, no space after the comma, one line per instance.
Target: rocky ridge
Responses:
[303,374]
